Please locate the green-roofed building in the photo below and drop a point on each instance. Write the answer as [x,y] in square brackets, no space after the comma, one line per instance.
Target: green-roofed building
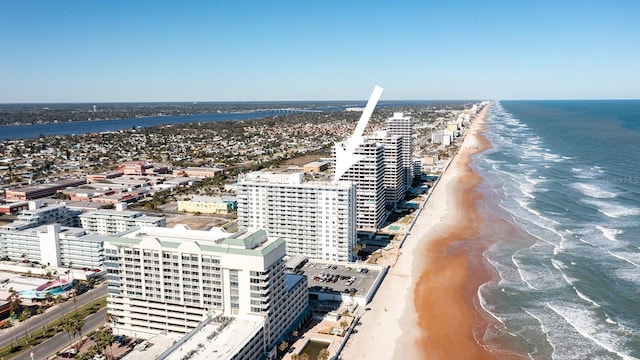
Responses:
[168,280]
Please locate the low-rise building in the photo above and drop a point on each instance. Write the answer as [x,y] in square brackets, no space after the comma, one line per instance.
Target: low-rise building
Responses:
[198,172]
[53,245]
[42,190]
[38,215]
[111,222]
[208,204]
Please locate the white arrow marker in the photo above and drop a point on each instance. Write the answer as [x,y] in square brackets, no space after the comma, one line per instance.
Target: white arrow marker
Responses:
[345,158]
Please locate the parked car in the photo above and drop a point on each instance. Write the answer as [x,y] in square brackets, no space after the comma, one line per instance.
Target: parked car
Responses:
[69,353]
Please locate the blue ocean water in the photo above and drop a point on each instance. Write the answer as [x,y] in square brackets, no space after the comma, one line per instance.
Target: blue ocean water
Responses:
[567,175]
[85,127]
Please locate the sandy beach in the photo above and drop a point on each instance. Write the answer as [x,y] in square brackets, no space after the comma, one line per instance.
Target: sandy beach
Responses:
[426,307]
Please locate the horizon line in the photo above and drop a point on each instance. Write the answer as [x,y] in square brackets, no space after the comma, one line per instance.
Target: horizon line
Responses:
[300,101]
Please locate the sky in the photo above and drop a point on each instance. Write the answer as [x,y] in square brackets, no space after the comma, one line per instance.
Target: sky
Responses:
[134,51]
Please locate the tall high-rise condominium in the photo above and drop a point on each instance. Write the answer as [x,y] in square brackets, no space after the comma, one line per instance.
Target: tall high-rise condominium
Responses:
[316,218]
[394,172]
[368,173]
[402,126]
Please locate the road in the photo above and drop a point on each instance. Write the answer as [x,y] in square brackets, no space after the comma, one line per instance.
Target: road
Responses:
[61,340]
[53,313]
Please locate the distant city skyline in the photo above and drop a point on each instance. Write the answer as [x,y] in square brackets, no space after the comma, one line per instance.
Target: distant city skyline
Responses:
[163,51]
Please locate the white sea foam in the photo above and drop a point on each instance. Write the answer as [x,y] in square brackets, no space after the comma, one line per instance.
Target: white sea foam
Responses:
[553,157]
[586,298]
[545,330]
[581,320]
[630,275]
[612,209]
[485,306]
[586,242]
[521,271]
[593,191]
[623,258]
[609,233]
[558,264]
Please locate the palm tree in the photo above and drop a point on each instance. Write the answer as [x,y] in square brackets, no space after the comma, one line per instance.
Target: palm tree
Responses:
[75,300]
[283,346]
[43,310]
[16,303]
[79,323]
[24,315]
[13,333]
[58,300]
[304,356]
[356,249]
[70,328]
[324,354]
[104,340]
[113,319]
[344,323]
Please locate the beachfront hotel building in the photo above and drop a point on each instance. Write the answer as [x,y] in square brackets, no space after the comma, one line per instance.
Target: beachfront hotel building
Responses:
[394,172]
[402,126]
[53,245]
[111,222]
[316,218]
[368,174]
[174,281]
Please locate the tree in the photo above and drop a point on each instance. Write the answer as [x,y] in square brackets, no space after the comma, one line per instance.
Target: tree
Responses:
[16,303]
[358,248]
[24,315]
[104,341]
[75,300]
[304,356]
[344,323]
[58,300]
[78,325]
[283,346]
[323,354]
[112,319]
[73,326]
[13,333]
[43,310]
[69,328]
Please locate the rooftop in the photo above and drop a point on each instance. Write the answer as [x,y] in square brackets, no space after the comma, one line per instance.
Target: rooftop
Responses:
[211,341]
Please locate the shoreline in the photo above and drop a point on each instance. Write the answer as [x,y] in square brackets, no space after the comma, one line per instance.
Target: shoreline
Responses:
[427,306]
[451,266]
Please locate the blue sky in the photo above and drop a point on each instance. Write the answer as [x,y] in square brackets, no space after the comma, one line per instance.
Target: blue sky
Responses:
[104,51]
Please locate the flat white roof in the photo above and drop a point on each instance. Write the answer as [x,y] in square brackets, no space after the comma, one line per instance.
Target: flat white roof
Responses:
[224,345]
[203,345]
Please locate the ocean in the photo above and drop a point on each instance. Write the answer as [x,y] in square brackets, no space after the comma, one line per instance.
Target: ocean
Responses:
[566,175]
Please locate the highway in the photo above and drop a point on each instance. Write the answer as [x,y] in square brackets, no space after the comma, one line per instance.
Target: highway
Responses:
[52,314]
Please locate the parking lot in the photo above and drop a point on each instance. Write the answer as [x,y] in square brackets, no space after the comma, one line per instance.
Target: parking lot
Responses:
[339,278]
